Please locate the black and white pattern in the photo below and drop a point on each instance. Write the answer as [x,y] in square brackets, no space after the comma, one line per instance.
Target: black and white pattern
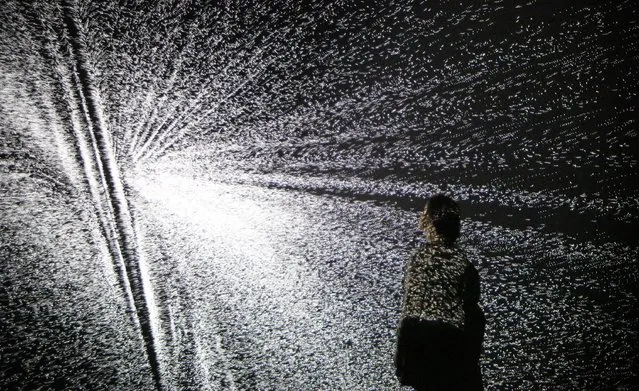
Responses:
[222,195]
[439,283]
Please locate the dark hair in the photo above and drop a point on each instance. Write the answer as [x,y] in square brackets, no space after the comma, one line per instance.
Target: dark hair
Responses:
[441,214]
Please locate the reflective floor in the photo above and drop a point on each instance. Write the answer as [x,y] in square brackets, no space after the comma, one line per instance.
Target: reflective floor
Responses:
[222,197]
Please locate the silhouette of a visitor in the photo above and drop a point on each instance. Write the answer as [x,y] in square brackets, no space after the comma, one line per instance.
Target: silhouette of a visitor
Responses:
[442,325]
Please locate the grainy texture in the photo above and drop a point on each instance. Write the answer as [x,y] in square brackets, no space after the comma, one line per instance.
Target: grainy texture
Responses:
[436,282]
[223,195]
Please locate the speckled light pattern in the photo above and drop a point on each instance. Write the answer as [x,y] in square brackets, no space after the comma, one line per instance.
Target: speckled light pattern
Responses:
[436,284]
[223,196]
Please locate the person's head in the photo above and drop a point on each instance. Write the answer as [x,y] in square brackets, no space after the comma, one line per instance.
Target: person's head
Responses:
[440,220]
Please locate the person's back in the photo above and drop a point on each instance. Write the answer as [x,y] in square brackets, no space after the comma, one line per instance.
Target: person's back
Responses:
[442,325]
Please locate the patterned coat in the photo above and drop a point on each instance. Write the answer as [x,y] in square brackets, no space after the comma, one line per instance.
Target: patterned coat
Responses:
[440,284]
[442,325]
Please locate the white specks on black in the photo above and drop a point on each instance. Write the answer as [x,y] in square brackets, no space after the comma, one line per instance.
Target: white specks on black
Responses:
[276,155]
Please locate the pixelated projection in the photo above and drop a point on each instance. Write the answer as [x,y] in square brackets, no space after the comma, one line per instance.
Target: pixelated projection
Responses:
[223,195]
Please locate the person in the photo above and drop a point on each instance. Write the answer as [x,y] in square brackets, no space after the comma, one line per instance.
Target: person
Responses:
[441,330]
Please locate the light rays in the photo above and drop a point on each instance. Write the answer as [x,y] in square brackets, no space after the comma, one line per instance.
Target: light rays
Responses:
[161,139]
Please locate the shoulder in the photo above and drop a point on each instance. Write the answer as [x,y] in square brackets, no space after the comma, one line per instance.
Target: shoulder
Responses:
[436,254]
[443,251]
[423,252]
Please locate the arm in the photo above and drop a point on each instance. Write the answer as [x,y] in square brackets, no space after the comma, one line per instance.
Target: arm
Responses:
[400,352]
[471,286]
[407,272]
[475,322]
